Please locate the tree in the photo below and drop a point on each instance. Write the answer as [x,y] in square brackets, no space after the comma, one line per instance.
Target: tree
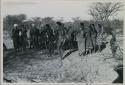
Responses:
[37,21]
[10,20]
[50,21]
[103,11]
[76,23]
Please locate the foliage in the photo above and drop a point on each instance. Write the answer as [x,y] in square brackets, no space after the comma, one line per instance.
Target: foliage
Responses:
[39,22]
[10,20]
[103,11]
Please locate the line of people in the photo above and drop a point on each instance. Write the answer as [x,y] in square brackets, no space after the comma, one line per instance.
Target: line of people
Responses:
[19,36]
[85,40]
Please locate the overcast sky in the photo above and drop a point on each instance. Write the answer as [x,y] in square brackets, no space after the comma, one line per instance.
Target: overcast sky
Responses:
[53,8]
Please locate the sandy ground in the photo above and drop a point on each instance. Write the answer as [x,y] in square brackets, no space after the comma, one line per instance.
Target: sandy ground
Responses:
[35,66]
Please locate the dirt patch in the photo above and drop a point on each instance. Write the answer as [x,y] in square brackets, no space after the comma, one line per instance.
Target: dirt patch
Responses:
[38,67]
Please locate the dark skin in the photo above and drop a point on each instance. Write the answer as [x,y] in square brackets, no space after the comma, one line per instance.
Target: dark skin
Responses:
[15,36]
[84,36]
[93,31]
[61,38]
[49,38]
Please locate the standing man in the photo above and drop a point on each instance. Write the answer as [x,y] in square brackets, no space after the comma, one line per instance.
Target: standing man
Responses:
[61,32]
[49,38]
[32,36]
[80,38]
[93,34]
[100,30]
[15,37]
[88,41]
[113,44]
[73,40]
[99,36]
[24,37]
[36,35]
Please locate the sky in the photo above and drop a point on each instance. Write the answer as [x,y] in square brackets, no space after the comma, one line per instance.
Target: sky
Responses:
[65,9]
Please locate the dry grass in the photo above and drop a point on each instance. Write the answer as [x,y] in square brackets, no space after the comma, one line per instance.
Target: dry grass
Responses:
[37,67]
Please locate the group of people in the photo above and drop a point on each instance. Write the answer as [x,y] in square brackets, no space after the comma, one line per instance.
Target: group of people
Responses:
[30,38]
[19,36]
[89,38]
[85,39]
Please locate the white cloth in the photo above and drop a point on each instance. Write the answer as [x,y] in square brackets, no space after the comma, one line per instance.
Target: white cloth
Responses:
[81,42]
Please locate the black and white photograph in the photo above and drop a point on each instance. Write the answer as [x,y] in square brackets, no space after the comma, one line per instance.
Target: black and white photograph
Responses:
[62,41]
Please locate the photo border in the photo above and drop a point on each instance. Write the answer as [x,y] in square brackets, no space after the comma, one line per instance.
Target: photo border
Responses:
[1,53]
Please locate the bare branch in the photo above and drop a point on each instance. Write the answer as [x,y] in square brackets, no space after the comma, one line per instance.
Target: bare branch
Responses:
[102,11]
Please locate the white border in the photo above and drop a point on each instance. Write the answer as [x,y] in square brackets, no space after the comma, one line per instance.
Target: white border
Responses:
[1,53]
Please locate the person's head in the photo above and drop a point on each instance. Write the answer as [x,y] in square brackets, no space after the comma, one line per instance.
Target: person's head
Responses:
[47,25]
[70,26]
[99,25]
[80,28]
[59,23]
[92,25]
[33,25]
[15,25]
[23,25]
[82,24]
